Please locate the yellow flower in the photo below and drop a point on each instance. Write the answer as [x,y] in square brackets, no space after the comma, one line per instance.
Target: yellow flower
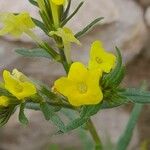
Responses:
[15,24]
[18,84]
[58,2]
[81,87]
[67,37]
[99,58]
[4,102]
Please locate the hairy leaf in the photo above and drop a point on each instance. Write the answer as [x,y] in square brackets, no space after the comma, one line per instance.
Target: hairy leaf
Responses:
[116,75]
[22,118]
[136,95]
[5,115]
[76,124]
[40,25]
[125,138]
[33,2]
[88,27]
[50,114]
[38,52]
[75,11]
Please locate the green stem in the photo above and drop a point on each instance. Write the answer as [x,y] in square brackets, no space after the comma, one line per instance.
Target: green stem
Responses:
[94,134]
[64,62]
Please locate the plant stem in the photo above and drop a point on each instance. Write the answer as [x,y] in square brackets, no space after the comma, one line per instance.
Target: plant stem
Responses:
[94,134]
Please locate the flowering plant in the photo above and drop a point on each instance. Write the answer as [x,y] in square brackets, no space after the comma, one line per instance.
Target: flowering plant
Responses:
[85,90]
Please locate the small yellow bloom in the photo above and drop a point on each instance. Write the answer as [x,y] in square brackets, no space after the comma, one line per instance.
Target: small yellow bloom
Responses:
[18,84]
[81,87]
[16,24]
[67,37]
[4,102]
[99,58]
[58,2]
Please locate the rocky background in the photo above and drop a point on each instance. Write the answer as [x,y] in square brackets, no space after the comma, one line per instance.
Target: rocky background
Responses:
[127,25]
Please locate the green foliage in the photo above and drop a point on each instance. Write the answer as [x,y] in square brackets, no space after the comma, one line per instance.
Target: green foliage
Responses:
[4,92]
[5,114]
[125,138]
[114,78]
[33,2]
[72,15]
[88,27]
[50,114]
[76,123]
[54,147]
[136,95]
[40,25]
[37,52]
[22,118]
[66,12]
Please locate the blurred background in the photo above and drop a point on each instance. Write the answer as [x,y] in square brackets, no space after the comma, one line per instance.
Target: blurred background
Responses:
[126,24]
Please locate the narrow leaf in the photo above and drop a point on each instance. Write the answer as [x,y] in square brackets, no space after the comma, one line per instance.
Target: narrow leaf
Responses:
[125,138]
[32,106]
[76,124]
[33,2]
[5,117]
[136,95]
[40,25]
[64,16]
[88,111]
[114,101]
[22,118]
[115,74]
[39,52]
[87,28]
[75,11]
[50,114]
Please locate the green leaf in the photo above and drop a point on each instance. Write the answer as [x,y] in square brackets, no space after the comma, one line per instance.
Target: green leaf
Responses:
[70,114]
[114,100]
[116,75]
[50,114]
[119,77]
[76,123]
[75,11]
[44,90]
[4,92]
[136,95]
[66,12]
[125,138]
[108,104]
[88,27]
[33,2]
[40,25]
[32,106]
[88,111]
[5,114]
[22,118]
[38,52]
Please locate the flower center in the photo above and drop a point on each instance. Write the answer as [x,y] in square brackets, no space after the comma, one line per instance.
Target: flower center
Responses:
[18,88]
[82,87]
[98,60]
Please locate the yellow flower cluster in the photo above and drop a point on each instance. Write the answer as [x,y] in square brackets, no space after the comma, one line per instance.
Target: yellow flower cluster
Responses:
[81,86]
[18,85]
[15,24]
